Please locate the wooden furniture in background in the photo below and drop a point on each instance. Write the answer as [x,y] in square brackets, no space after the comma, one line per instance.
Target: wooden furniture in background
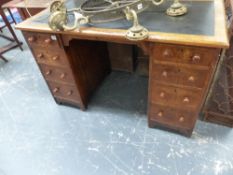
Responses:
[10,13]
[33,6]
[181,62]
[14,42]
[219,106]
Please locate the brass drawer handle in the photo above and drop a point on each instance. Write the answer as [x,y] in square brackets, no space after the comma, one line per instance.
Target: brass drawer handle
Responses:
[181,119]
[49,72]
[196,58]
[160,114]
[162,94]
[55,90]
[186,100]
[55,58]
[164,74]
[40,55]
[63,75]
[31,39]
[70,93]
[191,79]
[48,41]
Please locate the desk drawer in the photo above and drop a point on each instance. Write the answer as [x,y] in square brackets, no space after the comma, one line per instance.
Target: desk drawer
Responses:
[171,117]
[165,95]
[192,77]
[51,57]
[62,75]
[186,55]
[172,74]
[63,91]
[165,73]
[42,40]
[188,99]
[175,97]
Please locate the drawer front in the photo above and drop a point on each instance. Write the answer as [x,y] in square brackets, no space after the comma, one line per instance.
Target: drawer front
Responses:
[41,40]
[175,97]
[67,92]
[192,77]
[165,95]
[171,117]
[187,55]
[188,99]
[165,73]
[51,57]
[166,53]
[57,74]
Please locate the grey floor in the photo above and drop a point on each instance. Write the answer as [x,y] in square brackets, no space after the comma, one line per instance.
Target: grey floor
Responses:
[39,137]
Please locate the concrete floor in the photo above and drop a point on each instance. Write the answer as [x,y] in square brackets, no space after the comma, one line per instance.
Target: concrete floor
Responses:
[39,137]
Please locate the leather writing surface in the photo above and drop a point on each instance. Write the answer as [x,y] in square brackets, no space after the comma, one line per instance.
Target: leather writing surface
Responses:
[198,21]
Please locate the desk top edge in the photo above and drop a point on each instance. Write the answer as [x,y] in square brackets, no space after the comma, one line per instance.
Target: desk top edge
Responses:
[219,40]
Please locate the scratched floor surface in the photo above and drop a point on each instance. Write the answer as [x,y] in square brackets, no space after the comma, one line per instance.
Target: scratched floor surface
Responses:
[38,137]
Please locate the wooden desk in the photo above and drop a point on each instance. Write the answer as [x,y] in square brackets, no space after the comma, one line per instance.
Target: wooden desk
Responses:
[183,51]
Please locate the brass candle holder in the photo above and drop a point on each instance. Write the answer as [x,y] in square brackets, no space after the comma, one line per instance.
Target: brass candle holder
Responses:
[177,9]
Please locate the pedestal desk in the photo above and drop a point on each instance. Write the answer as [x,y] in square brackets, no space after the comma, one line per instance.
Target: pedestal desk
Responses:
[183,51]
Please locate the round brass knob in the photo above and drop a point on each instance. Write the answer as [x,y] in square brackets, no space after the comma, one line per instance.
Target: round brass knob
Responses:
[196,58]
[162,94]
[164,73]
[31,39]
[160,114]
[70,93]
[55,58]
[55,90]
[186,100]
[191,79]
[48,72]
[40,55]
[62,76]
[48,40]
[181,119]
